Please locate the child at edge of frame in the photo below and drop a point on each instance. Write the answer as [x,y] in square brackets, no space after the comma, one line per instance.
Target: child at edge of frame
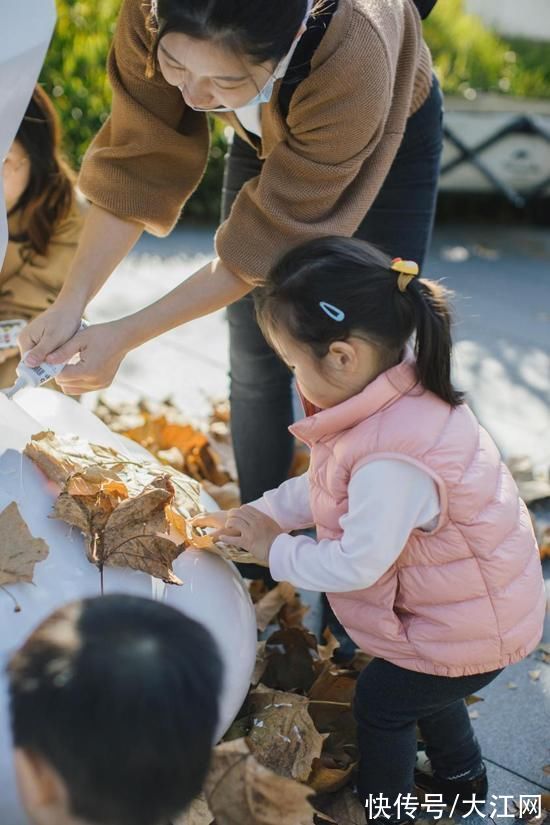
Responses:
[113,710]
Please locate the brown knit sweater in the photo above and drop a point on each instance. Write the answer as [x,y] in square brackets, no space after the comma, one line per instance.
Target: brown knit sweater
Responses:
[323,166]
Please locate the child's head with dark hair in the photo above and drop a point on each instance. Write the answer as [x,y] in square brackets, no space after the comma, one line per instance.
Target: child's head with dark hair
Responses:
[114,708]
[339,315]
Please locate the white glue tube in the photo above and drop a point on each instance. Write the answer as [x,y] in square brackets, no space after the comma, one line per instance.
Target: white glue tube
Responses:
[36,376]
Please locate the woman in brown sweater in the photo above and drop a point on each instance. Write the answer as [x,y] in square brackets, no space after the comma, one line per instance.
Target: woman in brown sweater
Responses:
[44,222]
[337,119]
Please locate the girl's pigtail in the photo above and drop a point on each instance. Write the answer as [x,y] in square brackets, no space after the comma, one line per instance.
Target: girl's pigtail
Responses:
[433,346]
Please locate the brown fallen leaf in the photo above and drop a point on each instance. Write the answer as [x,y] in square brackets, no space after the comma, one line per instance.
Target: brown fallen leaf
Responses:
[281,734]
[291,659]
[125,534]
[546,770]
[19,550]
[331,697]
[240,791]
[270,604]
[534,675]
[328,775]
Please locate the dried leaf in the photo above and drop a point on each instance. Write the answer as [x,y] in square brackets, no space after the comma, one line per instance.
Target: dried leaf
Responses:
[281,733]
[331,697]
[268,607]
[291,659]
[240,791]
[534,675]
[512,686]
[546,770]
[19,550]
[125,534]
[329,776]
[131,539]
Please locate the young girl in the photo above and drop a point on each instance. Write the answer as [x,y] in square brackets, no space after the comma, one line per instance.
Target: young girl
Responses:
[423,545]
[44,222]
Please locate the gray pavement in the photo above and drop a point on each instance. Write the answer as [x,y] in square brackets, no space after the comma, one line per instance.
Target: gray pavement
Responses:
[501,279]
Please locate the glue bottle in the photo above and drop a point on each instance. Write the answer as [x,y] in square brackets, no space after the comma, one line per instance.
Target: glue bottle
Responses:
[36,376]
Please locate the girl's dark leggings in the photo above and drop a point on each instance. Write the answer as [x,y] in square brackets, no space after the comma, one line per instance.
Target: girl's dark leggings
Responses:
[400,221]
[389,703]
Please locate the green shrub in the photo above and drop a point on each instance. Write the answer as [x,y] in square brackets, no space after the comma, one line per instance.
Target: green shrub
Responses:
[468,58]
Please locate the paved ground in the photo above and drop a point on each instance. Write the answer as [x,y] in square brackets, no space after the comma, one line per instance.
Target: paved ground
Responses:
[501,278]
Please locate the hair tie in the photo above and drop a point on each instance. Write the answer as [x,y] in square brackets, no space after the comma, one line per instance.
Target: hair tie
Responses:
[407,271]
[332,311]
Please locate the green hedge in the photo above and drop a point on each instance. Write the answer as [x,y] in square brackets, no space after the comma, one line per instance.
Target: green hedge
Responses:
[467,56]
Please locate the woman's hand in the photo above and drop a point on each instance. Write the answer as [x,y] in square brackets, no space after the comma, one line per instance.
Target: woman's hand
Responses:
[244,527]
[101,348]
[49,331]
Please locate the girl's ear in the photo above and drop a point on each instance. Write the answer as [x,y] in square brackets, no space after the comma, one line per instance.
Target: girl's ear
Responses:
[342,355]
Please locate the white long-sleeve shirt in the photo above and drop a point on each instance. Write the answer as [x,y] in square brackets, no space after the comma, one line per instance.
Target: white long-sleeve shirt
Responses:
[387,500]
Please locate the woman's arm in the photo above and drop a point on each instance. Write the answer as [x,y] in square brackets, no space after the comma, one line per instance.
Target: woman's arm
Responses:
[210,288]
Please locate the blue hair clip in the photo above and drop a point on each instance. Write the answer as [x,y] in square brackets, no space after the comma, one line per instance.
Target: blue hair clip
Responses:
[332,311]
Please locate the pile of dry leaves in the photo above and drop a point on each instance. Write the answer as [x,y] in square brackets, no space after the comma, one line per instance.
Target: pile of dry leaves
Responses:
[204,454]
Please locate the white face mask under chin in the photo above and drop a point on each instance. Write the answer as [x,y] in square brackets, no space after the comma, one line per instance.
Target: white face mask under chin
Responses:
[263,96]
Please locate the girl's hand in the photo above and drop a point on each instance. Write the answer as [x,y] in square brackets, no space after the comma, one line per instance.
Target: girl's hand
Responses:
[49,331]
[101,348]
[244,527]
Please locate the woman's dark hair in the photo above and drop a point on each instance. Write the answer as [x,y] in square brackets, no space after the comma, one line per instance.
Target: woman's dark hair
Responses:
[120,695]
[49,195]
[261,31]
[356,278]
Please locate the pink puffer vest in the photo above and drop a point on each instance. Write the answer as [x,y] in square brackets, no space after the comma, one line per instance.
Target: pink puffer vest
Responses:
[467,597]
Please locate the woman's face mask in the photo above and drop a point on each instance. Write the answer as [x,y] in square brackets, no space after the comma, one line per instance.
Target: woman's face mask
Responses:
[211,80]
